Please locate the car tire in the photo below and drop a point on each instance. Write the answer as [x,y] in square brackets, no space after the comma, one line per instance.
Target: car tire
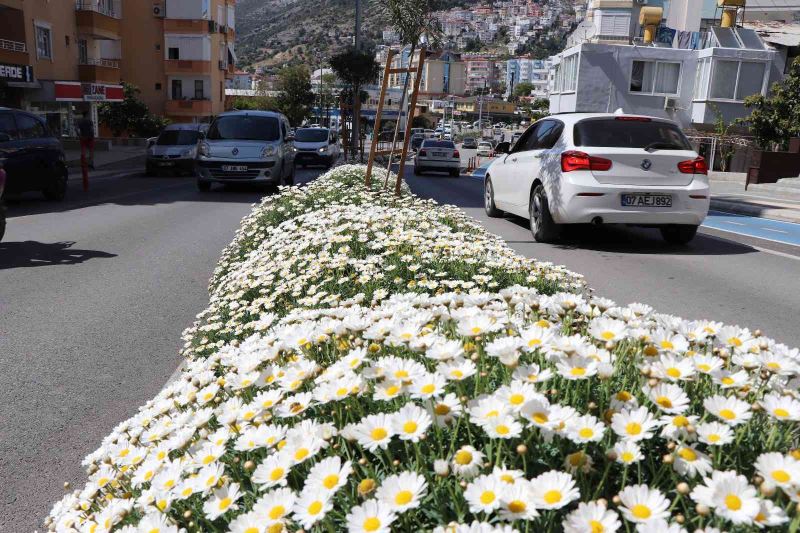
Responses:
[454,173]
[203,186]
[57,189]
[678,233]
[543,227]
[488,196]
[417,171]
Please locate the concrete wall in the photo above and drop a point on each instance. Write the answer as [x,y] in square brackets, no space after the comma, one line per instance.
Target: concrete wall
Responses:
[190,47]
[189,9]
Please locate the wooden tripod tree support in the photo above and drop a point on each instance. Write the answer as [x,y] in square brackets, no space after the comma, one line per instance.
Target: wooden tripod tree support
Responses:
[373,151]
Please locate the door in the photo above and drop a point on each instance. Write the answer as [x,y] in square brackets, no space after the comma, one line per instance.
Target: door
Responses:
[36,152]
[537,161]
[503,170]
[177,89]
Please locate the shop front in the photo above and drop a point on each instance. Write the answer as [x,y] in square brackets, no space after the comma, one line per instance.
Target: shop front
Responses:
[14,80]
[62,103]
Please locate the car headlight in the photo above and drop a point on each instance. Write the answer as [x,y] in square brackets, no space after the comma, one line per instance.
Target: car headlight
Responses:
[203,150]
[268,151]
[323,149]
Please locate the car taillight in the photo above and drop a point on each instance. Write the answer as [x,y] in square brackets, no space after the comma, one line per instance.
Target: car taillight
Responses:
[693,166]
[634,119]
[456,154]
[423,152]
[574,160]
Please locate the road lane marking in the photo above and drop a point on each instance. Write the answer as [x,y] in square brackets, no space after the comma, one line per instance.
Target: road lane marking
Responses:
[732,222]
[760,249]
[775,230]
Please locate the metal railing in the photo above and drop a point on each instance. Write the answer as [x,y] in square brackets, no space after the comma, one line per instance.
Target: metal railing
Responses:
[108,9]
[108,63]
[13,46]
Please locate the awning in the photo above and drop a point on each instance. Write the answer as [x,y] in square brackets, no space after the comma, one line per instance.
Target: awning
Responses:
[72,91]
[231,55]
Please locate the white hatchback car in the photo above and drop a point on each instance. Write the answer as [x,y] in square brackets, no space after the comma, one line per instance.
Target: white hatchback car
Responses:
[603,169]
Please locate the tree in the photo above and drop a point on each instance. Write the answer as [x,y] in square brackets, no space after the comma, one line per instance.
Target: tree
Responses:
[776,118]
[295,97]
[522,89]
[131,115]
[355,68]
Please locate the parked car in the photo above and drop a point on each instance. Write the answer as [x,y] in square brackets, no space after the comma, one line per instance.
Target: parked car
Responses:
[416,141]
[246,147]
[441,156]
[469,142]
[175,150]
[2,207]
[31,155]
[316,146]
[485,149]
[601,169]
[429,134]
[515,137]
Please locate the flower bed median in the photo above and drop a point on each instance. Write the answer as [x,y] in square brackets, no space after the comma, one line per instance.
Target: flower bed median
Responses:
[368,363]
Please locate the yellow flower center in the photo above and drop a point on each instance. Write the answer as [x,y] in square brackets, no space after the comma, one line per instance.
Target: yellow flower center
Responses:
[275,528]
[780,412]
[516,399]
[687,454]
[378,434]
[578,371]
[224,503]
[276,474]
[781,476]
[542,323]
[517,506]
[633,428]
[627,457]
[277,512]
[586,433]
[341,391]
[624,396]
[252,530]
[607,335]
[596,527]
[733,502]
[410,426]
[552,496]
[441,409]
[476,330]
[401,374]
[372,524]
[456,373]
[507,478]
[301,454]
[487,497]
[650,350]
[735,341]
[667,345]
[680,421]
[727,380]
[493,413]
[314,508]
[330,481]
[703,367]
[673,372]
[403,497]
[772,365]
[713,438]
[642,512]
[664,402]
[727,414]
[429,388]
[534,342]
[392,390]
[463,457]
[502,429]
[540,418]
[208,459]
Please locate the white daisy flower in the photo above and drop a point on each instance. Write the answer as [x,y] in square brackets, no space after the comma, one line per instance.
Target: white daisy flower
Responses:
[275,505]
[770,515]
[730,410]
[637,424]
[427,386]
[627,452]
[444,409]
[370,517]
[531,374]
[714,433]
[329,474]
[516,502]
[222,501]
[782,470]
[311,506]
[410,422]
[576,367]
[403,491]
[591,517]
[553,490]
[730,495]
[659,526]
[467,461]
[586,428]
[640,504]
[668,397]
[273,471]
[374,431]
[484,494]
[689,461]
[504,426]
[781,407]
[607,329]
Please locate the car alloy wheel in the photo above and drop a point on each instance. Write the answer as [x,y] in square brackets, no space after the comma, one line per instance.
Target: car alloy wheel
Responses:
[535,210]
[488,195]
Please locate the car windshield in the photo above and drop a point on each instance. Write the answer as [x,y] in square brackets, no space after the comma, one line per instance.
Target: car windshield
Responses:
[245,128]
[630,133]
[311,136]
[438,144]
[177,137]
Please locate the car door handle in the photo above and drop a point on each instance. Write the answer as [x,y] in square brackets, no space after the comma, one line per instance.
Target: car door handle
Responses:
[539,156]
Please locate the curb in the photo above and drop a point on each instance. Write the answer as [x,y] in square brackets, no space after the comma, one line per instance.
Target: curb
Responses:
[743,208]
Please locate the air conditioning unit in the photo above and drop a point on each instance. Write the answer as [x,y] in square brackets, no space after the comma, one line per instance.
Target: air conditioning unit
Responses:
[159,10]
[670,104]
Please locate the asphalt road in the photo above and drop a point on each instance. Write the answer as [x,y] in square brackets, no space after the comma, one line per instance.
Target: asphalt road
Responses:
[94,295]
[735,279]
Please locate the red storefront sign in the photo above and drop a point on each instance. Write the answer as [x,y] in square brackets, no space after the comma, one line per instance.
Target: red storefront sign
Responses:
[73,91]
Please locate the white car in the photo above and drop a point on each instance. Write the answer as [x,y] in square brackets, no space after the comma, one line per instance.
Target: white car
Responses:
[485,149]
[603,169]
[441,156]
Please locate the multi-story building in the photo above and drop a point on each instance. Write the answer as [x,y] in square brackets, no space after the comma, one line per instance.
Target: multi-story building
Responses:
[534,71]
[179,54]
[444,73]
[482,73]
[59,59]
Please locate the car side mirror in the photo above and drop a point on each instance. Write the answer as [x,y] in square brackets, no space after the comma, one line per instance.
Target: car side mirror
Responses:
[503,148]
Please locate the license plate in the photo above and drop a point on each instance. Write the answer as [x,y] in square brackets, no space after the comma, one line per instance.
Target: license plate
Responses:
[165,164]
[646,200]
[234,168]
[438,154]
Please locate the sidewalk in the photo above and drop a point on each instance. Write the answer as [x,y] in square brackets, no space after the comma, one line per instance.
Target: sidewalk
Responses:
[104,158]
[777,201]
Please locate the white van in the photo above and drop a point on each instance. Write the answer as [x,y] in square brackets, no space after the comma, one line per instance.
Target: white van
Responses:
[316,146]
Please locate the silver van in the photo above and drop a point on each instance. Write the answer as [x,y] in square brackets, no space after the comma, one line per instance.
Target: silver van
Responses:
[246,147]
[175,149]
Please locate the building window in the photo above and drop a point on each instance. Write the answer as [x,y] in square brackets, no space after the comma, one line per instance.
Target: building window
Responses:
[615,24]
[655,77]
[198,90]
[174,53]
[177,90]
[158,86]
[83,52]
[701,78]
[736,80]
[158,47]
[44,41]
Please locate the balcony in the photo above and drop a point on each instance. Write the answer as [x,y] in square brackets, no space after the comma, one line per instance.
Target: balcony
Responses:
[187,66]
[190,26]
[100,21]
[14,52]
[188,108]
[94,70]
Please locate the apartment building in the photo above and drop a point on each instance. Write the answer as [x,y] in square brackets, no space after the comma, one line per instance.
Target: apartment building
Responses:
[60,58]
[534,71]
[444,73]
[180,54]
[482,73]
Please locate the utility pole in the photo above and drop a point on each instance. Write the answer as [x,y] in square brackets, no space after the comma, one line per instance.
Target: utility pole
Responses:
[356,96]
